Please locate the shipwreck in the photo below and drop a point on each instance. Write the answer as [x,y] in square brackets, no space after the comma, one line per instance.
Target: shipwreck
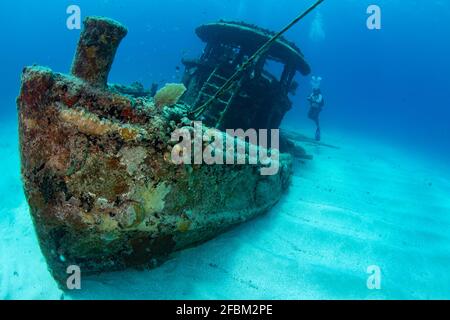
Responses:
[95,157]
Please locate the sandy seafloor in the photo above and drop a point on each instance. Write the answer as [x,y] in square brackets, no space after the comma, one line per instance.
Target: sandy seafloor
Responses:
[363,204]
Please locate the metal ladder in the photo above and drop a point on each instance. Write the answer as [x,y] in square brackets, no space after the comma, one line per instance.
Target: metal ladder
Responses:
[214,82]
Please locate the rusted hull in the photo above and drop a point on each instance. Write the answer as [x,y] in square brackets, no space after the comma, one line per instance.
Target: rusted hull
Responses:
[101,188]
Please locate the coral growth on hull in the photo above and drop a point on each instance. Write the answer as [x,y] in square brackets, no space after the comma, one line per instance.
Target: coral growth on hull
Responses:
[103,192]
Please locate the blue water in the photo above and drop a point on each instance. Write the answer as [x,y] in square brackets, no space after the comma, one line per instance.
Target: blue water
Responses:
[391,85]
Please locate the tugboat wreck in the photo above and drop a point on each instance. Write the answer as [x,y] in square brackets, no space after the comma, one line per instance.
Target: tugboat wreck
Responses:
[103,192]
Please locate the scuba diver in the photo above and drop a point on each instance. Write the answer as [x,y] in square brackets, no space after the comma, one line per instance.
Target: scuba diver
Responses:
[316,102]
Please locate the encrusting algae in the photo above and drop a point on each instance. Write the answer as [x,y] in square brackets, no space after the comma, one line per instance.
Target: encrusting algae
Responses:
[91,124]
[112,199]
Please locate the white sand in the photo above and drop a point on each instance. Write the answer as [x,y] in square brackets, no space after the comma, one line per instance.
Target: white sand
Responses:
[362,205]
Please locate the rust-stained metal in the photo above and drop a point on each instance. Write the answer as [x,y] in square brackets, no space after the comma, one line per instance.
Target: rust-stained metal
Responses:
[102,190]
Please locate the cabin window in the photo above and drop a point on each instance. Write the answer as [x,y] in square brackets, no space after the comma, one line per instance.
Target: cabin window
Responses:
[274,68]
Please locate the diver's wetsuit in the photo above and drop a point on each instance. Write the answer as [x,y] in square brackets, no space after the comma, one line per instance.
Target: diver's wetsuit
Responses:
[317,103]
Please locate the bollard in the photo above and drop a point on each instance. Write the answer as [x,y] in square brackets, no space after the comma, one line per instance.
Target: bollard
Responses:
[96,49]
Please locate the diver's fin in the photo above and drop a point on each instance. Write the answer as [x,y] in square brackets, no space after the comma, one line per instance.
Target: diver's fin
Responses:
[318,134]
